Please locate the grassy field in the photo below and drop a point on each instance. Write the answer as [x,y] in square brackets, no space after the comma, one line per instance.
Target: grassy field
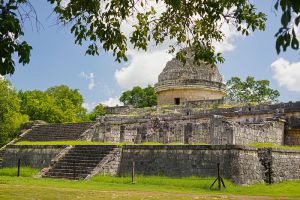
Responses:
[106,187]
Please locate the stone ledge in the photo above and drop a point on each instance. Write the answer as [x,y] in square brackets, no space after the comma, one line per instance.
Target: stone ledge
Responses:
[192,147]
[35,146]
[158,147]
[280,150]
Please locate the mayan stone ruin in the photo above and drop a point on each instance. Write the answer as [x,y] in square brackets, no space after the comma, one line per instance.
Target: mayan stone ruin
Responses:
[186,134]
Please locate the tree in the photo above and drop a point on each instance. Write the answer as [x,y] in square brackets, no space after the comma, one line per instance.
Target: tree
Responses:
[40,106]
[69,101]
[195,24]
[99,110]
[290,19]
[10,33]
[250,91]
[58,104]
[10,116]
[139,97]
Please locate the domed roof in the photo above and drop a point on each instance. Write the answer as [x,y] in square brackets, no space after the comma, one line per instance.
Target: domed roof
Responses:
[175,70]
[176,73]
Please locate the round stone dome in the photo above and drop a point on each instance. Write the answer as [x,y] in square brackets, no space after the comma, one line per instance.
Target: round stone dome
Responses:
[178,83]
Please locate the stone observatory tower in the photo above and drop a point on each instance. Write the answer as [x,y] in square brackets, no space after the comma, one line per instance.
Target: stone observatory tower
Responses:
[179,83]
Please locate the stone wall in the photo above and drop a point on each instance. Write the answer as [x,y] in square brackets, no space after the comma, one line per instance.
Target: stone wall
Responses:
[35,156]
[226,132]
[110,165]
[285,165]
[185,130]
[189,126]
[264,132]
[188,93]
[148,129]
[240,164]
[116,109]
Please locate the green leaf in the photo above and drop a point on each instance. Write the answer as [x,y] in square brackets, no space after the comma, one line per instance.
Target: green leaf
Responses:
[295,43]
[286,18]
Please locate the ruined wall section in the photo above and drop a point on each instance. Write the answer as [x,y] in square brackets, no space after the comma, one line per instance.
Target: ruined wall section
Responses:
[285,165]
[226,132]
[264,132]
[186,130]
[152,129]
[221,131]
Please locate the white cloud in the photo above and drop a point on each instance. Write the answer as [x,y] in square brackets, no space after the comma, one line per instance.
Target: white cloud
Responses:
[89,106]
[231,34]
[144,67]
[287,74]
[112,101]
[90,77]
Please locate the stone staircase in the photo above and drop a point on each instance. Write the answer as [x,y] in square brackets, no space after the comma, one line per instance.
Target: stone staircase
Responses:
[78,162]
[55,132]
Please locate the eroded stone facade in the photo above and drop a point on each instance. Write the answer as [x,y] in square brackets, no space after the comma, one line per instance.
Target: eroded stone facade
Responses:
[274,124]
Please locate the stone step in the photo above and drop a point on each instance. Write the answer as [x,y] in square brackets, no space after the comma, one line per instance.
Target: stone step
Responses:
[91,150]
[79,167]
[88,158]
[87,162]
[71,171]
[67,175]
[88,153]
[38,135]
[56,132]
[84,163]
[83,157]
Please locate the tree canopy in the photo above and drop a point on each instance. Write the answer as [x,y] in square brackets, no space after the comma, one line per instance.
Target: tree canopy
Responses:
[55,105]
[139,97]
[10,116]
[98,110]
[195,24]
[250,90]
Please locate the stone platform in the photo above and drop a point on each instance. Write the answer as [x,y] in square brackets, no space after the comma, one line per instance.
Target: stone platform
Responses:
[241,164]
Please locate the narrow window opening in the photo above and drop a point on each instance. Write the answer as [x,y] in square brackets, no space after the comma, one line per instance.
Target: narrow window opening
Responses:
[177,101]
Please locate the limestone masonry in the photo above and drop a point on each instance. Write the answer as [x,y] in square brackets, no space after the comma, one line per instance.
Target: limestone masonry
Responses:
[193,128]
[178,84]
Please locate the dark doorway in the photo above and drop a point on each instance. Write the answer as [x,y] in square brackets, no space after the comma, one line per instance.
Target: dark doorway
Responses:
[188,131]
[177,101]
[122,133]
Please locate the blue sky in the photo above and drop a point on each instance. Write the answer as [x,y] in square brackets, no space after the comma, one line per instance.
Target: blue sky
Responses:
[56,59]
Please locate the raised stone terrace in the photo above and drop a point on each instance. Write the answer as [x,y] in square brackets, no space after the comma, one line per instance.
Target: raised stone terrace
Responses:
[55,132]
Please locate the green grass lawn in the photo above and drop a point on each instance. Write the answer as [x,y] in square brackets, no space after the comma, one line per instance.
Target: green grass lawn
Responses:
[107,187]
